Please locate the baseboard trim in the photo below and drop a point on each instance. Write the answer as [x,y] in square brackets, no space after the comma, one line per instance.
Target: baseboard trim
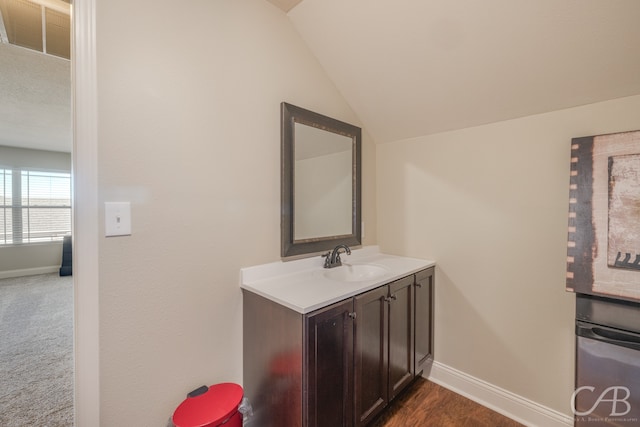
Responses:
[500,400]
[29,271]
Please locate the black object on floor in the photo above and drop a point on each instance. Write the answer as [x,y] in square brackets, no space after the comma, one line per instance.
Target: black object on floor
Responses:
[66,267]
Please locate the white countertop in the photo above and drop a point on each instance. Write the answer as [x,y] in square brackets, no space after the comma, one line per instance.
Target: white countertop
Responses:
[302,286]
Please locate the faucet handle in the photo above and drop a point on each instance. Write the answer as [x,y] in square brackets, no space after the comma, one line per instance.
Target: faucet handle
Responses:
[327,259]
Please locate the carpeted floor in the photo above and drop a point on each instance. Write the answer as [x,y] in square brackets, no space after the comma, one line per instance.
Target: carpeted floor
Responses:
[36,351]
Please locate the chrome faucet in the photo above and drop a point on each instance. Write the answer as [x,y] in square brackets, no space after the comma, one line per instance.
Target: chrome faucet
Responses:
[332,258]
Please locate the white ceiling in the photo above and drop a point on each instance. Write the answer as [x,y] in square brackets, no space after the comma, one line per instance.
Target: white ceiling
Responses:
[416,67]
[35,88]
[285,5]
[407,67]
[35,105]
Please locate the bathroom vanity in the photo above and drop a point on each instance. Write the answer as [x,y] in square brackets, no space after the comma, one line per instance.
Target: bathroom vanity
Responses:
[332,347]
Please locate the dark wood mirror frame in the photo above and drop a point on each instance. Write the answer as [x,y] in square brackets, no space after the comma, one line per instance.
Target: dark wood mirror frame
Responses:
[290,115]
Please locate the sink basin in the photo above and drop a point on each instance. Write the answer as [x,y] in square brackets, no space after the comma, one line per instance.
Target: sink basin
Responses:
[355,272]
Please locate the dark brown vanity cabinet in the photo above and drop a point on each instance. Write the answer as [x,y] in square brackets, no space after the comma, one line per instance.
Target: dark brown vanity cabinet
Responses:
[401,335]
[329,358]
[338,366]
[384,361]
[371,354]
[423,297]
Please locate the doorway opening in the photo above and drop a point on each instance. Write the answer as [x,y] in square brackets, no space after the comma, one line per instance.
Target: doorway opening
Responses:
[36,140]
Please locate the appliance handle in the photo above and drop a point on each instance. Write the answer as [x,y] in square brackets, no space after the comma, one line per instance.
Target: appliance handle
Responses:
[608,335]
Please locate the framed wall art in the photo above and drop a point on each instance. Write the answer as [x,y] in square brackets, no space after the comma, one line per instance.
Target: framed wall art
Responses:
[603,253]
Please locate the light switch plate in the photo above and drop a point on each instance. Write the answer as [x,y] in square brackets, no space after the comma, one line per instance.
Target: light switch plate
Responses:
[117,217]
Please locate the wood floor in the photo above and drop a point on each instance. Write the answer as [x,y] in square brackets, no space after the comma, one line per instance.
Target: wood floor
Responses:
[428,404]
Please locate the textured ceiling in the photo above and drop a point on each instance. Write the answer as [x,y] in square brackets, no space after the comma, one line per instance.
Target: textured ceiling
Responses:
[416,67]
[35,106]
[35,88]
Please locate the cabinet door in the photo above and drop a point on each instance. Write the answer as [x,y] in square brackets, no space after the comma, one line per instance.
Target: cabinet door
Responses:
[424,319]
[371,352]
[329,358]
[401,358]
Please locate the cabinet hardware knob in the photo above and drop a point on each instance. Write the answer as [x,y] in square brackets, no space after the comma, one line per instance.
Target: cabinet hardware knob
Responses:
[418,285]
[352,314]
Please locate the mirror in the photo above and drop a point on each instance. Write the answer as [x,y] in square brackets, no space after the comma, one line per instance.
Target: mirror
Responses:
[320,182]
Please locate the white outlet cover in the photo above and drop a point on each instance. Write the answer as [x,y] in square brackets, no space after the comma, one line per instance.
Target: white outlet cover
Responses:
[117,217]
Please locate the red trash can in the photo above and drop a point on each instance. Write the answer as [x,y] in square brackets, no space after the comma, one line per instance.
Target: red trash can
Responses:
[212,406]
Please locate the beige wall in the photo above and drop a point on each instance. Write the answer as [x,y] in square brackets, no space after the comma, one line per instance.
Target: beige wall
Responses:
[33,258]
[490,204]
[27,158]
[189,132]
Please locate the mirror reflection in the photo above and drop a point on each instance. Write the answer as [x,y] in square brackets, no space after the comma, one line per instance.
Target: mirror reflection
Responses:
[320,182]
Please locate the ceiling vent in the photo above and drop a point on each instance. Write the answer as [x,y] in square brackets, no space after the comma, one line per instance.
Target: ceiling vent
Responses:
[42,25]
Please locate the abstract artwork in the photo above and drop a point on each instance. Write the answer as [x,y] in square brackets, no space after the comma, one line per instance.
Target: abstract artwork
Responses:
[624,212]
[603,251]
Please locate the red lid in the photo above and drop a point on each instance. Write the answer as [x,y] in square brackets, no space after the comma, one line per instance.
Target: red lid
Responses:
[210,408]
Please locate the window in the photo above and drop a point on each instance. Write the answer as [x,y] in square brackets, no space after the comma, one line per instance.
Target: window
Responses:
[35,206]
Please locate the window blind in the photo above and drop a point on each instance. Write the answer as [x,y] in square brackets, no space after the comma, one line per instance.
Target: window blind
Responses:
[36,206]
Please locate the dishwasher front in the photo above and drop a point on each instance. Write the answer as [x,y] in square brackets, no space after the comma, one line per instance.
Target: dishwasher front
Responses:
[607,364]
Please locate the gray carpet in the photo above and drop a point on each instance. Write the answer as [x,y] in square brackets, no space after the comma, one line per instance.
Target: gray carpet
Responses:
[36,351]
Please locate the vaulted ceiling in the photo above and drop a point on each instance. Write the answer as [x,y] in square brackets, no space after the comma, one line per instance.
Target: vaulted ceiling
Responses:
[285,5]
[416,67]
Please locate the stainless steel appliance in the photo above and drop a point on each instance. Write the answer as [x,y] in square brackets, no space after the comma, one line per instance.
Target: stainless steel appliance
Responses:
[607,362]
